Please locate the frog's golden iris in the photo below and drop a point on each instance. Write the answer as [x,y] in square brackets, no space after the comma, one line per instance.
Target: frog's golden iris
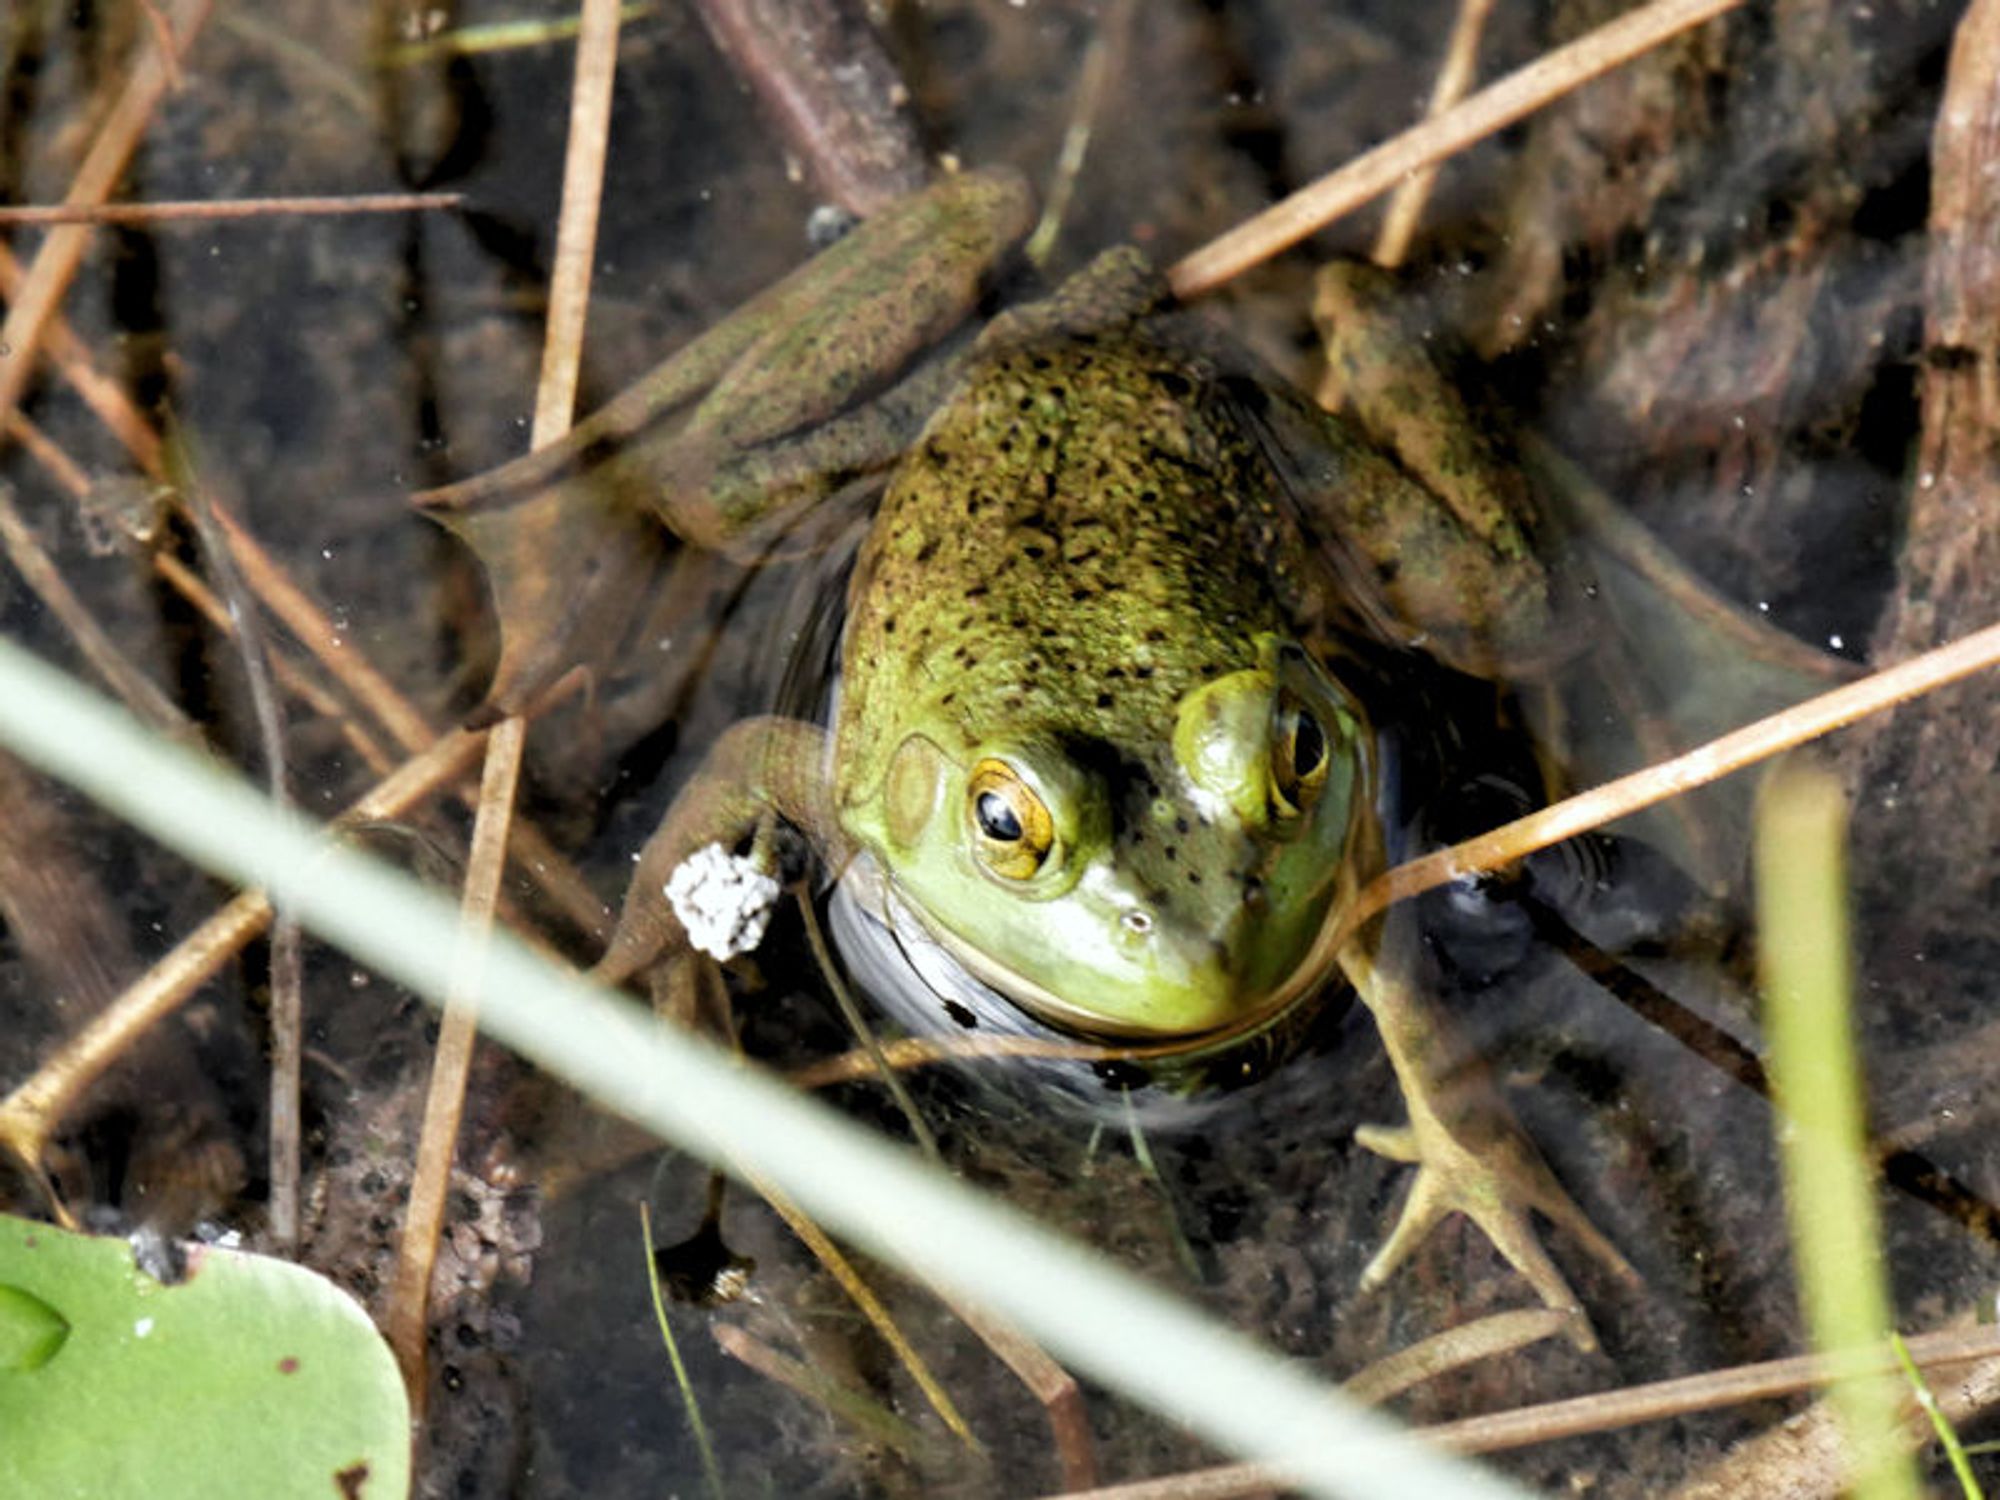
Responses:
[1298,758]
[1011,825]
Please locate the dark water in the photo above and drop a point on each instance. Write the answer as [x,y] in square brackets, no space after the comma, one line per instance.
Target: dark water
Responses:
[1705,285]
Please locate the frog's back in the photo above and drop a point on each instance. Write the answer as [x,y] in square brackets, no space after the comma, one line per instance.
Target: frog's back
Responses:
[1079,538]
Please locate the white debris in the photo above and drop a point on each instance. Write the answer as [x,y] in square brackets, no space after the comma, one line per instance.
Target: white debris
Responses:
[723,900]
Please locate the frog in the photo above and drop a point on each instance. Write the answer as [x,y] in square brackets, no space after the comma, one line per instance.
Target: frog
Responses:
[1095,738]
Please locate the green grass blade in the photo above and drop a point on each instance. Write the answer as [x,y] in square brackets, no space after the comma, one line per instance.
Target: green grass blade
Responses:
[711,1470]
[1829,1183]
[1947,1435]
[1104,1323]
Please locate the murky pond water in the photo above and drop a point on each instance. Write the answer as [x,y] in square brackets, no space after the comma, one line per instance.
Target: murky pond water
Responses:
[1704,281]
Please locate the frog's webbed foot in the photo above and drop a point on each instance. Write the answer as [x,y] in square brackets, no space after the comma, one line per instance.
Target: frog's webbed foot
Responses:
[1471,1156]
[1496,1185]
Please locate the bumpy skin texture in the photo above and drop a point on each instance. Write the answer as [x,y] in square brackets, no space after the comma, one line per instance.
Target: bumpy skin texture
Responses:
[1106,579]
[1079,539]
[1088,737]
[1083,538]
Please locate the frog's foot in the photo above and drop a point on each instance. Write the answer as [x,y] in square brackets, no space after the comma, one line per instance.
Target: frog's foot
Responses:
[1496,1184]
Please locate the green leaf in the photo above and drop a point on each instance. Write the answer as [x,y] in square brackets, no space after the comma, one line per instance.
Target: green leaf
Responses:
[250,1377]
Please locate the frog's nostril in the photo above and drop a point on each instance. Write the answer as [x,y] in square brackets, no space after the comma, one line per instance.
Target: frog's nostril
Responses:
[1138,922]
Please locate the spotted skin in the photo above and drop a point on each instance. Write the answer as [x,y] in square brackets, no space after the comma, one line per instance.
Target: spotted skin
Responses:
[1023,566]
[1091,737]
[1083,537]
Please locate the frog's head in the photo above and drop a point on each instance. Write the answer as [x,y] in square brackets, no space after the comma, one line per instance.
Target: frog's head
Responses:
[1169,888]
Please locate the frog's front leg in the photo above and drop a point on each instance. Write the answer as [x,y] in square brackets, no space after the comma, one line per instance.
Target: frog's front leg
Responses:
[758,770]
[1471,1156]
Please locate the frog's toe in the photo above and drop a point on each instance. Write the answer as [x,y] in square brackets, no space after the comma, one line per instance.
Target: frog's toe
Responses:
[1396,1142]
[1428,1205]
[1560,1209]
[1497,1189]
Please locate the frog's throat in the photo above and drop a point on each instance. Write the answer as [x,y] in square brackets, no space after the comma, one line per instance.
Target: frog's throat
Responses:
[1308,978]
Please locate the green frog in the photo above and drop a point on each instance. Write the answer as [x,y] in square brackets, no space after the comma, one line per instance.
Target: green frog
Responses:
[1093,736]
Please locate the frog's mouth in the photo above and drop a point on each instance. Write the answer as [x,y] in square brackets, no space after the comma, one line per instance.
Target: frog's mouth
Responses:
[922,985]
[906,967]
[979,990]
[1040,1002]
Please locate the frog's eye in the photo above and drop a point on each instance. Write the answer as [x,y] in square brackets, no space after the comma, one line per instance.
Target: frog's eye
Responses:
[1299,756]
[1012,829]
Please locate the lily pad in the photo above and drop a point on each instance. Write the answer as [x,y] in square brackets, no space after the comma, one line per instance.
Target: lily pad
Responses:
[250,1376]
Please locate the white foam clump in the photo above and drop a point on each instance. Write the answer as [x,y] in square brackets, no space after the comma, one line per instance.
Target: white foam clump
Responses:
[723,900]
